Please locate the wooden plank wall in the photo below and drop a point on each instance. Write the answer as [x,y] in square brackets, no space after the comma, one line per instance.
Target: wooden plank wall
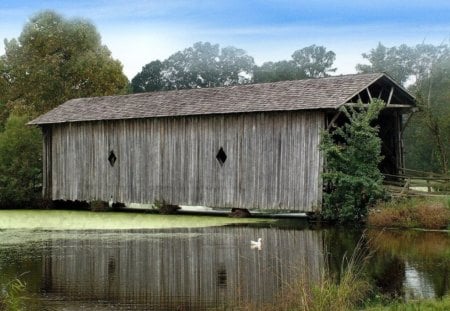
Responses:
[273,160]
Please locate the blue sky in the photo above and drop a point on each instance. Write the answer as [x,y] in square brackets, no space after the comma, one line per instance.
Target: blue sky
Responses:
[138,32]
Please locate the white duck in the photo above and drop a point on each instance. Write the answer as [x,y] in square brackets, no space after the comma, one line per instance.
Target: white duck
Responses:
[256,244]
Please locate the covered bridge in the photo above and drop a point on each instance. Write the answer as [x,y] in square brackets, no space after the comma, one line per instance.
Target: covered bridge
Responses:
[247,146]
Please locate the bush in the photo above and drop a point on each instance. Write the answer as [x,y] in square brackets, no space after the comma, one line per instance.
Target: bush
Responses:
[411,213]
[352,154]
[20,162]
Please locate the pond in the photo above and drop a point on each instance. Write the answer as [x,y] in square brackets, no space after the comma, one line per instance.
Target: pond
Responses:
[198,263]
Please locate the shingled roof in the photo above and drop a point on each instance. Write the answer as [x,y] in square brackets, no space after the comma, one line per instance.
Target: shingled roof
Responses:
[325,93]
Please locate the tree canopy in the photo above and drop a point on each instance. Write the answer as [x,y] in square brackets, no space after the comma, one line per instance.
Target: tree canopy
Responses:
[60,59]
[309,62]
[202,65]
[207,65]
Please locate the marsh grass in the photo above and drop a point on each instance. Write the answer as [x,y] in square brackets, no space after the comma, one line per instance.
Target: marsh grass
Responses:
[346,292]
[411,213]
[13,295]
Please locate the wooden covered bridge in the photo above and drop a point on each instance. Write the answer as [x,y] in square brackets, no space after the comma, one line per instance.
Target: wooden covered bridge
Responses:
[248,146]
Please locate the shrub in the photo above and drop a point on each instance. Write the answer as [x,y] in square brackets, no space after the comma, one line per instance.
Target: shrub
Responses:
[411,213]
[352,154]
[20,162]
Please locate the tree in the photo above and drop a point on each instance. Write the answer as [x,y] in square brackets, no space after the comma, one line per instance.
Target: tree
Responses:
[314,61]
[149,79]
[309,62]
[60,59]
[202,65]
[430,127]
[279,71]
[352,155]
[20,162]
[396,61]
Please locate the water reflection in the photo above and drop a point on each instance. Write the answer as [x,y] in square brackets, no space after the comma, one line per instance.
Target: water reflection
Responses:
[194,269]
[417,263]
[185,268]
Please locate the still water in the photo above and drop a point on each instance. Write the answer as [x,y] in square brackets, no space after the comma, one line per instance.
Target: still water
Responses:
[209,267]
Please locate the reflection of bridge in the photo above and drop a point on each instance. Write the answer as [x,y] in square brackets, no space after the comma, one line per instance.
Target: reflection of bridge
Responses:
[192,268]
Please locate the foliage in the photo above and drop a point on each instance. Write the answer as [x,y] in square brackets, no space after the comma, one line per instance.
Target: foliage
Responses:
[309,62]
[418,305]
[432,123]
[12,296]
[206,65]
[411,213]
[396,61]
[61,59]
[428,68]
[202,65]
[20,161]
[352,155]
[149,79]
[284,70]
[314,61]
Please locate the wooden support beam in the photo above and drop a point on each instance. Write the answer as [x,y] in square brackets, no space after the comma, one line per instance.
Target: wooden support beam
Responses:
[381,92]
[390,96]
[359,97]
[368,93]
[403,126]
[333,120]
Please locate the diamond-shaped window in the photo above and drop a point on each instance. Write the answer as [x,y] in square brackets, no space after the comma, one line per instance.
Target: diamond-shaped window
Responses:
[221,156]
[112,158]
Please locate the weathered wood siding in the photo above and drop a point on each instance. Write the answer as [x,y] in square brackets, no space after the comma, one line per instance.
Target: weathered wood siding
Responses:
[273,160]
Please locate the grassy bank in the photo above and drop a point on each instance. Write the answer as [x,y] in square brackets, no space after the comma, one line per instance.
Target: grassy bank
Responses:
[421,305]
[426,213]
[86,220]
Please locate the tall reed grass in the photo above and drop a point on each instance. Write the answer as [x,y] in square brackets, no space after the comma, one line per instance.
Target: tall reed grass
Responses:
[13,295]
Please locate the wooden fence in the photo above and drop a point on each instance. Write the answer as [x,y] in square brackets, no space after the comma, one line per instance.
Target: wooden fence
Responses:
[417,183]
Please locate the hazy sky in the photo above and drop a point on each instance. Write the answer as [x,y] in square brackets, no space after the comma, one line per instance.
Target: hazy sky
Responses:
[138,32]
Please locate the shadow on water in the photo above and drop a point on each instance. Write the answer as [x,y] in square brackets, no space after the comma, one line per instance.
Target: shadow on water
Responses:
[201,268]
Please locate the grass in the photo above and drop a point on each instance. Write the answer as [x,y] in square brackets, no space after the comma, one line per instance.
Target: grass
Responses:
[421,305]
[13,295]
[427,213]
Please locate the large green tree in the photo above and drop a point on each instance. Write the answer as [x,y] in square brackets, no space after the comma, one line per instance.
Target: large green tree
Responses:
[202,65]
[52,61]
[284,70]
[309,62]
[55,59]
[314,61]
[425,68]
